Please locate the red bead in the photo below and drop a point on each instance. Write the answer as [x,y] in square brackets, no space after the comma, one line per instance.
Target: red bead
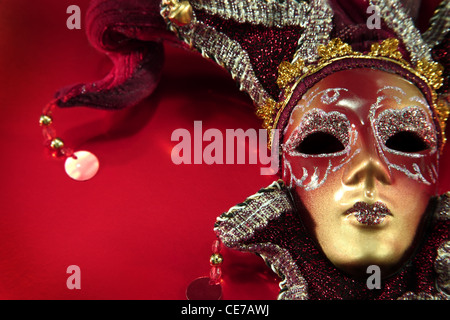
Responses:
[56,153]
[216,246]
[67,152]
[49,134]
[215,274]
[48,109]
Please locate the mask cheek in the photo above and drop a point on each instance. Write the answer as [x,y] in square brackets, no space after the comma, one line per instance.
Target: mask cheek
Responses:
[416,168]
[307,173]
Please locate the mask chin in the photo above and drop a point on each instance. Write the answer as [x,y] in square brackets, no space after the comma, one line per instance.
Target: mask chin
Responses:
[357,267]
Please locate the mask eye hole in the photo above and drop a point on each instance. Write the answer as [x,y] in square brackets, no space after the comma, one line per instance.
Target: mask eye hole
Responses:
[320,143]
[406,141]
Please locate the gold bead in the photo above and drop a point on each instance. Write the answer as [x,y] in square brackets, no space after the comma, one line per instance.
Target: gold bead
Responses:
[180,12]
[45,120]
[216,259]
[57,143]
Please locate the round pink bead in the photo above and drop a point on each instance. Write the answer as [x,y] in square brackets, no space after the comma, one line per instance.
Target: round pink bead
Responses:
[82,166]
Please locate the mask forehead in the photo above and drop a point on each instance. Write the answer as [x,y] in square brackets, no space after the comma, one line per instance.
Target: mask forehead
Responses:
[353,92]
[360,108]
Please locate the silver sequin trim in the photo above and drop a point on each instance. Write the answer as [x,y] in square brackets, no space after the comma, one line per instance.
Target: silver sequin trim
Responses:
[317,120]
[269,13]
[442,267]
[439,25]
[317,31]
[412,119]
[442,262]
[240,222]
[392,12]
[227,53]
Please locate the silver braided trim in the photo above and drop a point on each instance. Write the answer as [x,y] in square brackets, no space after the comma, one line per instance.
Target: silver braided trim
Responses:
[227,53]
[230,55]
[439,25]
[317,31]
[442,267]
[241,222]
[293,286]
[394,15]
[269,13]
[442,262]
[443,207]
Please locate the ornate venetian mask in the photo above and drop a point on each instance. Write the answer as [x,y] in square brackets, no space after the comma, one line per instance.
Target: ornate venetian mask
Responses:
[360,155]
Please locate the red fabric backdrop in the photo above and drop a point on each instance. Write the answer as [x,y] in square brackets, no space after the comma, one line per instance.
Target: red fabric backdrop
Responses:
[143,227]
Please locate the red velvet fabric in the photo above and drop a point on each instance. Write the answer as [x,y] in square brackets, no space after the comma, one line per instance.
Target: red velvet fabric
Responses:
[142,228]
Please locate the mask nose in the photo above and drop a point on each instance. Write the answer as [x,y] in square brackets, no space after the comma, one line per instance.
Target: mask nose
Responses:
[365,171]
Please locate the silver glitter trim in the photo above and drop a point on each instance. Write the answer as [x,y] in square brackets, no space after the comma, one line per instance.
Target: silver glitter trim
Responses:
[439,25]
[395,88]
[327,99]
[240,222]
[269,13]
[442,262]
[394,15]
[227,53]
[422,296]
[442,267]
[346,160]
[324,96]
[317,120]
[293,286]
[417,174]
[317,31]
[443,209]
[230,55]
[314,181]
[412,119]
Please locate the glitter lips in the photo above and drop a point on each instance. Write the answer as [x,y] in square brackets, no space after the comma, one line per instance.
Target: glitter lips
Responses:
[369,214]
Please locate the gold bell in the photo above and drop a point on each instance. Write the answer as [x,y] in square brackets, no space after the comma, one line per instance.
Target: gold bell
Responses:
[180,12]
[216,259]
[45,120]
[57,143]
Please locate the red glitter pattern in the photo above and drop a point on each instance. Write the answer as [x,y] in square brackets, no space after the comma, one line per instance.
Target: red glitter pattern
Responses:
[266,47]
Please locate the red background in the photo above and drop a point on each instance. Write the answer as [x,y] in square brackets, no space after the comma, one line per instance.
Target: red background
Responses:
[143,227]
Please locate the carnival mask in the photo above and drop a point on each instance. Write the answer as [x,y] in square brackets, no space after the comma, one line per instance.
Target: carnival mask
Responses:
[360,155]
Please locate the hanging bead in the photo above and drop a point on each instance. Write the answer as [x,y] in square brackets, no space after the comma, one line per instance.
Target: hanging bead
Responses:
[67,152]
[215,275]
[49,108]
[80,165]
[216,259]
[208,288]
[216,246]
[56,143]
[49,134]
[45,120]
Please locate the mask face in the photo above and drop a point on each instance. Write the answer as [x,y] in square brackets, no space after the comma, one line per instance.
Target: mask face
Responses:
[360,154]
